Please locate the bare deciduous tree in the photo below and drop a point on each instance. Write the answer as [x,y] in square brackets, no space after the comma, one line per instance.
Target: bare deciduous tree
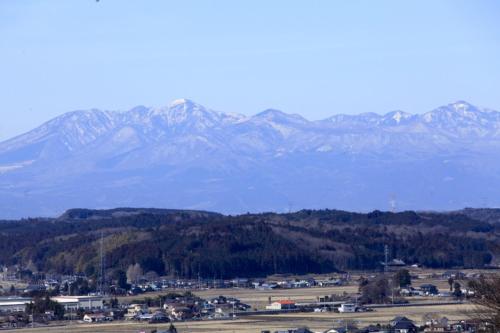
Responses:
[487,298]
[134,273]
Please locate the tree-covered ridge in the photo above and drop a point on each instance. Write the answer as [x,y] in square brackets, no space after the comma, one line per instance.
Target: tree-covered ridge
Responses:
[196,243]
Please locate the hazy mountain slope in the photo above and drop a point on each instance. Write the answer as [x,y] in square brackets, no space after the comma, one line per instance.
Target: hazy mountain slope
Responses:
[188,156]
[490,215]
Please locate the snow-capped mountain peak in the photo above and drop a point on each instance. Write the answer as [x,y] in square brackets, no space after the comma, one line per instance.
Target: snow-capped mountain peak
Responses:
[71,130]
[457,113]
[188,115]
[279,116]
[396,117]
[186,155]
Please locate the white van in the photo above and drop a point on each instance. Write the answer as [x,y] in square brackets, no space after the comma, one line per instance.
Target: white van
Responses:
[347,307]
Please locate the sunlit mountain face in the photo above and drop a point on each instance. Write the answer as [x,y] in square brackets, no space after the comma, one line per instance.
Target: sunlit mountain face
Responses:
[188,156]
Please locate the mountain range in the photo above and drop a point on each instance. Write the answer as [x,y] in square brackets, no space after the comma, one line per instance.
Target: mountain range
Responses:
[191,157]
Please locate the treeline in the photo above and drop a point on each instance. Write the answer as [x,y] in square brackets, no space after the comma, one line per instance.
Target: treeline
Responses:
[191,243]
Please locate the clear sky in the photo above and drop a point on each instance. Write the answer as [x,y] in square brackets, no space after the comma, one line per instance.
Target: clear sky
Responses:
[316,58]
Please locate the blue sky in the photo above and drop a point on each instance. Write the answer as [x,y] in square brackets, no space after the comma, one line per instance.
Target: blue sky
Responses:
[316,58]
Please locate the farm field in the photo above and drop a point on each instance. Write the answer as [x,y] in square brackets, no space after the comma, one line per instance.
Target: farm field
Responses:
[259,298]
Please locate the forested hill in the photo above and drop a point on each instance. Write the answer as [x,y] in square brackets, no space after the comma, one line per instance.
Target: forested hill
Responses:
[187,243]
[490,215]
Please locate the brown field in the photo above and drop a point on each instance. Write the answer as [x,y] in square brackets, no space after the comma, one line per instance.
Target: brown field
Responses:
[6,284]
[259,298]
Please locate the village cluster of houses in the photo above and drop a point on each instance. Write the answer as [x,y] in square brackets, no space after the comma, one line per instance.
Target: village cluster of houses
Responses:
[178,309]
[185,307]
[259,284]
[48,282]
[189,307]
[173,309]
[92,308]
[40,282]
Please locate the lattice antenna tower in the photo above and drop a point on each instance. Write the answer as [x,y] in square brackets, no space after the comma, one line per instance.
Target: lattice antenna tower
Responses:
[392,203]
[386,260]
[102,277]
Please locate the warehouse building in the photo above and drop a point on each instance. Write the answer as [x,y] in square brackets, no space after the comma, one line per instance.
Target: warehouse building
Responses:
[80,302]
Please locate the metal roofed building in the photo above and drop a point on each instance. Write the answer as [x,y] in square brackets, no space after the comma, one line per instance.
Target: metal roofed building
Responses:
[14,304]
[80,302]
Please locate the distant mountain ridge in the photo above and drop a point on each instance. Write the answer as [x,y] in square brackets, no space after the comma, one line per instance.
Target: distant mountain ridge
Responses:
[188,156]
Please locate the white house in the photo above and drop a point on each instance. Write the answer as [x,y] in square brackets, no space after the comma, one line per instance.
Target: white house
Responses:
[96,318]
[281,305]
[136,310]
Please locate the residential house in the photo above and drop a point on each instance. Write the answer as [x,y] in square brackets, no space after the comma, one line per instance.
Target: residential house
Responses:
[96,318]
[265,286]
[295,330]
[180,311]
[429,289]
[281,305]
[402,325]
[136,310]
[159,317]
[343,329]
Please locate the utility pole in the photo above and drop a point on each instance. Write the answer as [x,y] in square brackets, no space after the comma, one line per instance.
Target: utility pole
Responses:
[386,262]
[391,285]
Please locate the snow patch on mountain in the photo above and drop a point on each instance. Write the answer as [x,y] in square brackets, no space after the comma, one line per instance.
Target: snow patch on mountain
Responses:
[164,155]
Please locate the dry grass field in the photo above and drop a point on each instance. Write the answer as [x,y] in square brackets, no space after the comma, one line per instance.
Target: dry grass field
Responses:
[259,298]
[7,284]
